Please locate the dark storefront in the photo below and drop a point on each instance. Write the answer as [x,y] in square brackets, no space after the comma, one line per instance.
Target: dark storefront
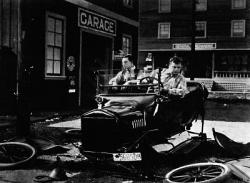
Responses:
[65,42]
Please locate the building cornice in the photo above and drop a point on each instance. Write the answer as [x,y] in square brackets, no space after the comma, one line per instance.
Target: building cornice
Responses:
[106,12]
[219,49]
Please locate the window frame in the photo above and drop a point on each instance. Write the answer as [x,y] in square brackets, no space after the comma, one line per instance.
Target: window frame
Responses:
[159,7]
[237,8]
[130,43]
[198,10]
[205,30]
[159,25]
[127,4]
[63,49]
[244,28]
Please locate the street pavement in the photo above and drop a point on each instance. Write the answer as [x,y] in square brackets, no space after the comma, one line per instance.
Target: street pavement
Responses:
[237,131]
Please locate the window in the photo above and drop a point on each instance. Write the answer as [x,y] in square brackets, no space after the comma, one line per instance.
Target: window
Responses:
[164,6]
[238,4]
[200,29]
[201,5]
[127,44]
[163,30]
[238,28]
[55,41]
[128,3]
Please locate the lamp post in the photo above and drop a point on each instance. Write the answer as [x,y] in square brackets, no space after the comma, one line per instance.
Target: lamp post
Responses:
[24,71]
[193,60]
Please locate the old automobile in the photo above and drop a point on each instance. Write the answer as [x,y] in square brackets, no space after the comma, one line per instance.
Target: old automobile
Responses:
[132,124]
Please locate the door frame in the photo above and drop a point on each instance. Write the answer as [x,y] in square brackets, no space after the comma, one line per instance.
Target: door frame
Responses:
[80,79]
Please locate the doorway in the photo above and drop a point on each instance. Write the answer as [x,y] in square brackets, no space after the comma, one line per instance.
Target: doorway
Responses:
[96,55]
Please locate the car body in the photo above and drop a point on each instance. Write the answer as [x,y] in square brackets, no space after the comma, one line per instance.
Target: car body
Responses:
[127,118]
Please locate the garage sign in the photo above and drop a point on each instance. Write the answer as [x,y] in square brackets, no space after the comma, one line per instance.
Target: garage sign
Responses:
[96,22]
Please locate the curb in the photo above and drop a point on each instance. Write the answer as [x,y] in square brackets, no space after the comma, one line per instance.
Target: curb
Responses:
[229,95]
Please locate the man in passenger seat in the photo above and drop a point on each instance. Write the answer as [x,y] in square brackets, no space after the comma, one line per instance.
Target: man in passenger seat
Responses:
[174,83]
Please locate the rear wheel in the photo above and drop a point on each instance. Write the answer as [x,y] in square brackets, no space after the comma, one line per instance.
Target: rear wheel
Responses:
[199,172]
[15,153]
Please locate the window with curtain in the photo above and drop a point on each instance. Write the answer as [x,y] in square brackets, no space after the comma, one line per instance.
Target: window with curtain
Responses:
[238,28]
[200,5]
[128,3]
[55,40]
[164,30]
[127,44]
[238,4]
[164,6]
[200,29]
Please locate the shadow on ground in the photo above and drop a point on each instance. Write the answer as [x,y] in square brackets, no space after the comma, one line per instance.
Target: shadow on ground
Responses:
[227,110]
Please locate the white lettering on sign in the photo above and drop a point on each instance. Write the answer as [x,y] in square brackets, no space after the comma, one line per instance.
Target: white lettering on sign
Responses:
[96,22]
[198,46]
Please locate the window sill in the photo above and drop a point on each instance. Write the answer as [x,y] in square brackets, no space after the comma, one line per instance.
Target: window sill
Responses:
[128,6]
[162,38]
[238,37]
[55,77]
[240,8]
[162,12]
[201,37]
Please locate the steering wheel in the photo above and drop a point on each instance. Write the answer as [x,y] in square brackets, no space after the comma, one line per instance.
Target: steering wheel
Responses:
[149,80]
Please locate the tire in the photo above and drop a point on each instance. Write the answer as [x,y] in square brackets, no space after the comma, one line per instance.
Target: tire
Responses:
[14,154]
[199,172]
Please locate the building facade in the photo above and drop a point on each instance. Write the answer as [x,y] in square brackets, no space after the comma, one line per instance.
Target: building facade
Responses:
[10,53]
[221,29]
[63,42]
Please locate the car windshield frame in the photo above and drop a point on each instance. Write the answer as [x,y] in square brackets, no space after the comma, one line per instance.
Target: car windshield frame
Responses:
[103,87]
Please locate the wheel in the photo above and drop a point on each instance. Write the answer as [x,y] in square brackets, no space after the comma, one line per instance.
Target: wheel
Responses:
[199,172]
[15,153]
[148,80]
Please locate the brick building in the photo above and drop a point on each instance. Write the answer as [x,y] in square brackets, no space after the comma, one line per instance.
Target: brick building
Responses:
[222,36]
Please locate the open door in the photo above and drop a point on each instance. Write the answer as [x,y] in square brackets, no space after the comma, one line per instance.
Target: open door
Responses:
[96,55]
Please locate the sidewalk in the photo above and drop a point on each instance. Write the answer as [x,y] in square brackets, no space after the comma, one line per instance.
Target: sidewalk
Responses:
[40,116]
[229,95]
[237,131]
[77,169]
[63,115]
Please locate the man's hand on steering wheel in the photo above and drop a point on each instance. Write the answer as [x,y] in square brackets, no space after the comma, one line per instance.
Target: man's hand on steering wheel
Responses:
[150,80]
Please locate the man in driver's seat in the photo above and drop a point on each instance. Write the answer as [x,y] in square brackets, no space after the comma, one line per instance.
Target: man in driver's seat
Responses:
[174,83]
[126,74]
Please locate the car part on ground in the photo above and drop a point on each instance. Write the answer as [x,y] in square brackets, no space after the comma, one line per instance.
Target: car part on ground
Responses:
[232,148]
[199,172]
[13,154]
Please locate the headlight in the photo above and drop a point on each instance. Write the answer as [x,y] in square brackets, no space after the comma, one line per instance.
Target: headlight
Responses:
[99,100]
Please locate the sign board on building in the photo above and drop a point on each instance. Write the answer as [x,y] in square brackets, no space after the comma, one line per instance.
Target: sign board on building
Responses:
[96,22]
[198,46]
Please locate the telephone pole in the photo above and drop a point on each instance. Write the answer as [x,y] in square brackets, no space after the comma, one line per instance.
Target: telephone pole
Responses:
[193,59]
